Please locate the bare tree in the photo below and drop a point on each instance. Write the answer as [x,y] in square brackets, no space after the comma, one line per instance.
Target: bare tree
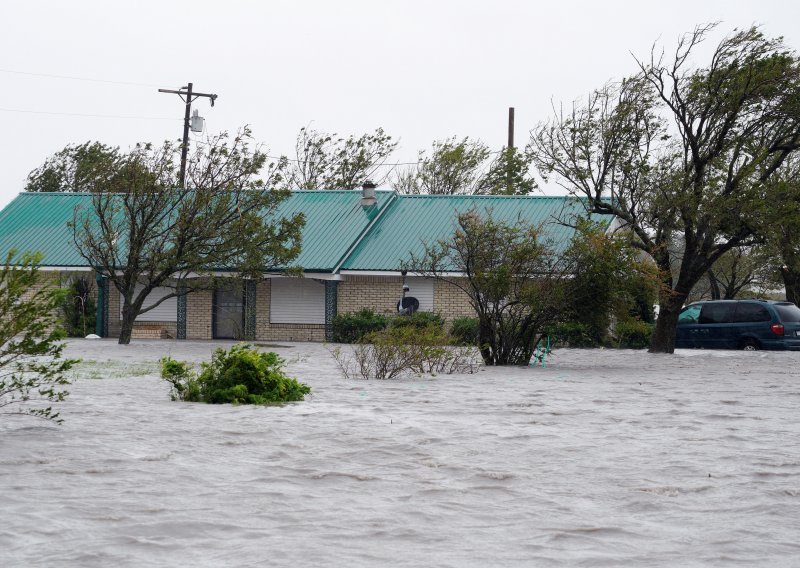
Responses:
[143,230]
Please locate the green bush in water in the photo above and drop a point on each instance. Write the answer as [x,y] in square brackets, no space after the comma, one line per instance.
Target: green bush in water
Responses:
[351,328]
[242,375]
[465,330]
[418,320]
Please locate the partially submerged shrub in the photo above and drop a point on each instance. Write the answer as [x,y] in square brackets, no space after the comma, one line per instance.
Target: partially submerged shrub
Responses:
[78,307]
[350,328]
[571,334]
[418,320]
[404,350]
[242,375]
[633,334]
[465,331]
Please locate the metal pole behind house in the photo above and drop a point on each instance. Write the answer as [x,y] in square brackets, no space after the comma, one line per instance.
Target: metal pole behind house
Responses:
[510,127]
[185,146]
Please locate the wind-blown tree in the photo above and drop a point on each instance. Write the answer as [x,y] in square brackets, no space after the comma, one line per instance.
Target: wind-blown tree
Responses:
[465,166]
[682,150]
[327,161]
[511,279]
[32,369]
[144,230]
[452,167]
[72,169]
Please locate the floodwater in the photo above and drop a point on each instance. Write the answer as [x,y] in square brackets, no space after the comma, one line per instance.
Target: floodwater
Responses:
[604,458]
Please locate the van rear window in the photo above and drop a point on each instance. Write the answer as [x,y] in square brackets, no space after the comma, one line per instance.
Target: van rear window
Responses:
[789,313]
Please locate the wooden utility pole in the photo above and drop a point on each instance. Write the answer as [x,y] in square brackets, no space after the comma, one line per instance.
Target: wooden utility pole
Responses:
[187,95]
[510,127]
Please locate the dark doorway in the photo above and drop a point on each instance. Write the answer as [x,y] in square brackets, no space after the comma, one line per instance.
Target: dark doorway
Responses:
[228,313]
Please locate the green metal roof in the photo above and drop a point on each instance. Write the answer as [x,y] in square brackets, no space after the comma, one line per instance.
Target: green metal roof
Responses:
[37,222]
[334,220]
[412,219]
[339,231]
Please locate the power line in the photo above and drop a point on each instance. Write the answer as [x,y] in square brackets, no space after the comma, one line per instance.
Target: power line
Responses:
[74,78]
[24,111]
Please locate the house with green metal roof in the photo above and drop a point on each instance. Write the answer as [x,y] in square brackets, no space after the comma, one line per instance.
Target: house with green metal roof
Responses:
[354,244]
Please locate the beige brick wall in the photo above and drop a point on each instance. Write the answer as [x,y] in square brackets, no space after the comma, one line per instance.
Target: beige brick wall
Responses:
[379,294]
[199,314]
[450,301]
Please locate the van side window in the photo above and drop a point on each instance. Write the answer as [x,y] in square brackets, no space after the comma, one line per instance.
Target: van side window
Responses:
[689,314]
[717,313]
[751,313]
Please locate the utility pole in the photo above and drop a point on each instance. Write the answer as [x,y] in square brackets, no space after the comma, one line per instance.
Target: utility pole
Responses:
[187,95]
[510,127]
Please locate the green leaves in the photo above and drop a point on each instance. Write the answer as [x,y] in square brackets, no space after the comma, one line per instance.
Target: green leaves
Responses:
[32,369]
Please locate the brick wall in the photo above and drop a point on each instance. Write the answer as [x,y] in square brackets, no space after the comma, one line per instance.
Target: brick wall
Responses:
[450,301]
[199,314]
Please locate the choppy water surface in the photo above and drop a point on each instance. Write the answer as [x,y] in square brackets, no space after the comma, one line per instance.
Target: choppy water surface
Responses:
[604,458]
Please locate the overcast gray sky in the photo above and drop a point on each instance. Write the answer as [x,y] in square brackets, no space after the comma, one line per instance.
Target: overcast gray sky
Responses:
[422,70]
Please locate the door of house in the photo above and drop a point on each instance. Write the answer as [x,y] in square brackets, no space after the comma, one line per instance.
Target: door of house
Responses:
[228,313]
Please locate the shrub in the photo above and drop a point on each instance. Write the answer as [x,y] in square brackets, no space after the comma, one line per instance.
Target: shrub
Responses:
[465,331]
[242,375]
[418,320]
[395,352]
[572,334]
[32,367]
[350,328]
[633,334]
[78,308]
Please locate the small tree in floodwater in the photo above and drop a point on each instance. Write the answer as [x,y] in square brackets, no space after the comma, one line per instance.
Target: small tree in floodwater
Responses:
[513,282]
[31,366]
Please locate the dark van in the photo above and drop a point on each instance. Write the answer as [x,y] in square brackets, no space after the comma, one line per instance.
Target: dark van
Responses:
[739,324]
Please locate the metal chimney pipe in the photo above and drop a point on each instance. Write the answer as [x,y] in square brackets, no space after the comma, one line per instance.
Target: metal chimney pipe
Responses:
[368,194]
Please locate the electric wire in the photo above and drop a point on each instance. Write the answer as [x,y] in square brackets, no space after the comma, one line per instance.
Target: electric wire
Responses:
[75,78]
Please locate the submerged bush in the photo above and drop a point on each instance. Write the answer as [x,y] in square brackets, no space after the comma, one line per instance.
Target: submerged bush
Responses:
[351,328]
[634,334]
[399,351]
[242,375]
[465,331]
[572,334]
[418,320]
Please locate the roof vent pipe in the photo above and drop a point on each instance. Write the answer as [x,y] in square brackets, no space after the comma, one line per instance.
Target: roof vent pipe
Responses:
[368,194]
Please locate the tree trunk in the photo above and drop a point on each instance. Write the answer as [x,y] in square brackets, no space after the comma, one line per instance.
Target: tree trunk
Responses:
[663,340]
[128,318]
[791,281]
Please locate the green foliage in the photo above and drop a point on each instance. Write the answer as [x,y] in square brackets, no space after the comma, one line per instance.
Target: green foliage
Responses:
[72,169]
[144,228]
[31,365]
[398,351]
[241,375]
[351,328]
[78,307]
[509,174]
[418,320]
[512,280]
[452,167]
[633,334]
[465,330]
[326,161]
[610,280]
[572,334]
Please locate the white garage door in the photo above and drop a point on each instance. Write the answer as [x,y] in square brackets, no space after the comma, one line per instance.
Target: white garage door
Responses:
[296,300]
[422,290]
[166,311]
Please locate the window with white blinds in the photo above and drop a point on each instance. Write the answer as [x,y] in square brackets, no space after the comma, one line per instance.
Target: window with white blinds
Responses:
[166,311]
[296,300]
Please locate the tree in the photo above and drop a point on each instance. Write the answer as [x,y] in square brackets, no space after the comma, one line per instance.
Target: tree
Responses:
[325,161]
[72,169]
[78,307]
[452,167]
[611,279]
[511,279]
[143,229]
[508,174]
[683,151]
[31,365]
